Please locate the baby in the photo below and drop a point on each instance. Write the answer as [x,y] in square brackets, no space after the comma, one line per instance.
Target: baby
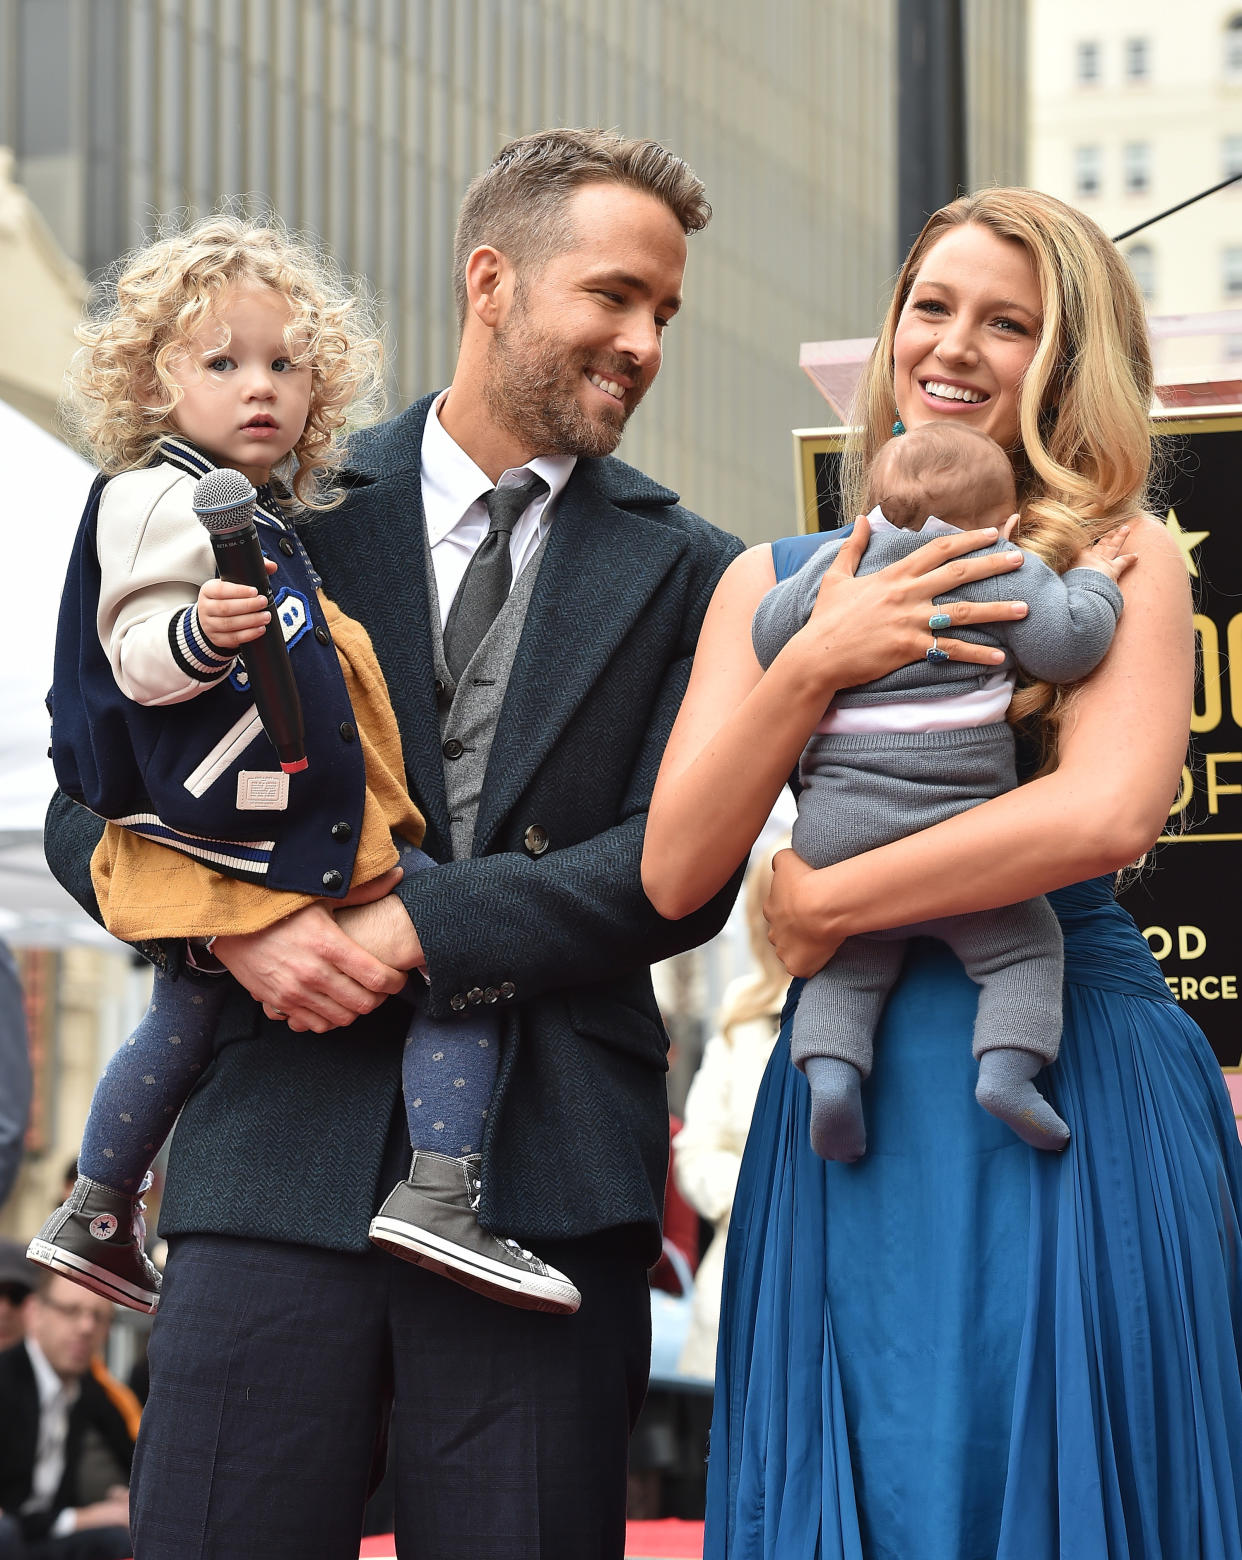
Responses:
[897,755]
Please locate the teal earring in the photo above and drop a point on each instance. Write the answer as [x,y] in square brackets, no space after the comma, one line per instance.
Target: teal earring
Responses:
[898,428]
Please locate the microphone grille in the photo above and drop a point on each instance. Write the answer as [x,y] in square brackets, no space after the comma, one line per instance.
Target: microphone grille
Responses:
[223,500]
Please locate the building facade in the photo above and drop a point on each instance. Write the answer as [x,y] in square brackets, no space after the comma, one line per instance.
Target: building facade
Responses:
[1134,106]
[363,120]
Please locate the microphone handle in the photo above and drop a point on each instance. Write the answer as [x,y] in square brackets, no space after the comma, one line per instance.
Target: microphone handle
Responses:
[239,559]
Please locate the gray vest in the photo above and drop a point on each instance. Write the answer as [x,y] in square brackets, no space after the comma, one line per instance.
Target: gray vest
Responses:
[470,709]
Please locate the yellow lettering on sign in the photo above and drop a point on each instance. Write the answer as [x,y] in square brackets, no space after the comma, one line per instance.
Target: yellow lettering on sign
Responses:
[1208,718]
[1185,791]
[1216,788]
[1190,942]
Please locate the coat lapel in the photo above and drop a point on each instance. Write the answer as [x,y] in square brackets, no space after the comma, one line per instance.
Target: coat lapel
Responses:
[602,565]
[372,554]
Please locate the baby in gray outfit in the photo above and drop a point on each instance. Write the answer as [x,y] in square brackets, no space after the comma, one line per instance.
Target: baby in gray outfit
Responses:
[897,755]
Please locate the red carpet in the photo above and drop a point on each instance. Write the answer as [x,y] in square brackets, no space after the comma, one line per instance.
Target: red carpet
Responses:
[670,1540]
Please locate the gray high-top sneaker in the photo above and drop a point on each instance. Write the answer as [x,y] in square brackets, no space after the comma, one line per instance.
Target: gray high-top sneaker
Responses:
[97,1238]
[432,1219]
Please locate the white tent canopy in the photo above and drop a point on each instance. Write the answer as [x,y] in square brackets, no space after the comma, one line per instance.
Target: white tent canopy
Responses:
[47,486]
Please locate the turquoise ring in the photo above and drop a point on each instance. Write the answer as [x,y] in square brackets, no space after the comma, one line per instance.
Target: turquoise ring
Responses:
[939,620]
[936,653]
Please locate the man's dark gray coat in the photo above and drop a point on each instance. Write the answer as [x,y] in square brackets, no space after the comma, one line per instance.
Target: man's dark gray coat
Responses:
[285,1136]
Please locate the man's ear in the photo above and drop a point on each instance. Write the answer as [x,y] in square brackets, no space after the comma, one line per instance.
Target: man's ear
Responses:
[489,285]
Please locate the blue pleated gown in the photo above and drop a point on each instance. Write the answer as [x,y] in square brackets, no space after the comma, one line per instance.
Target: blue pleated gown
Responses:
[961,1348]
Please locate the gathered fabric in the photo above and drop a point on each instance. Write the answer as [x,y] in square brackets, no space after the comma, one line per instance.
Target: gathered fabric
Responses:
[962,1348]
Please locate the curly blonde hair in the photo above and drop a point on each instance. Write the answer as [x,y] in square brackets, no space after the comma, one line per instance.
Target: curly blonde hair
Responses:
[121,393]
[1083,461]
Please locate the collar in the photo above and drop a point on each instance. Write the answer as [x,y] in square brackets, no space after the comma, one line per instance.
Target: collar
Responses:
[930,527]
[453,482]
[50,1386]
[189,458]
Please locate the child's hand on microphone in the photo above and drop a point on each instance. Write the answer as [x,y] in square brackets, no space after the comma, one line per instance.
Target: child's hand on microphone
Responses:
[233,615]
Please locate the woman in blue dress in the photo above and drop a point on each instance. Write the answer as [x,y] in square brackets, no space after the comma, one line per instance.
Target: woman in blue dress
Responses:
[961,1348]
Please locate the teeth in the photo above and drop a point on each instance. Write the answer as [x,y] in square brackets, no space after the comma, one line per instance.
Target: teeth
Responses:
[608,386]
[952,392]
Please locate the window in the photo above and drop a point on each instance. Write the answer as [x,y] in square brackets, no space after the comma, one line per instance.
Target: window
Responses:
[1231,271]
[1136,162]
[1233,47]
[1086,171]
[1142,262]
[1138,59]
[1231,156]
[1087,62]
[1233,349]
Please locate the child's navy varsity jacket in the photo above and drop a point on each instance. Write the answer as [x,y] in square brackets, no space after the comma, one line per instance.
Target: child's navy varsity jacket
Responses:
[177,772]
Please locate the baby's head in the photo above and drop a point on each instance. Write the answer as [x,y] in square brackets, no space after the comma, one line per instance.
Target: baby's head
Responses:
[160,303]
[957,474]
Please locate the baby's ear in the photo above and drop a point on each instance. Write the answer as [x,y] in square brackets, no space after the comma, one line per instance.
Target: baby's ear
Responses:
[1009,527]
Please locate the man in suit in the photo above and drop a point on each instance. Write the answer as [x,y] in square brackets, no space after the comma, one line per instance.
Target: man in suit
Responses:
[49,1403]
[281,1338]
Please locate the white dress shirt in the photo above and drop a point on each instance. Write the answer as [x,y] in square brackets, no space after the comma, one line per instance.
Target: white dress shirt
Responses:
[56,1399]
[454,490]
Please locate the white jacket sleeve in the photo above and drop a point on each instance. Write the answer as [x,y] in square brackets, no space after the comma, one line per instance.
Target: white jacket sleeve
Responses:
[706,1153]
[153,557]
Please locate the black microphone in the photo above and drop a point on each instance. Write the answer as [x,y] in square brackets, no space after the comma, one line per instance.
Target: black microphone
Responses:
[224,501]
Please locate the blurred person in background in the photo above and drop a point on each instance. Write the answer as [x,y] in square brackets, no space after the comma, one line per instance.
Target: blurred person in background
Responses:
[15,1082]
[51,1411]
[707,1152]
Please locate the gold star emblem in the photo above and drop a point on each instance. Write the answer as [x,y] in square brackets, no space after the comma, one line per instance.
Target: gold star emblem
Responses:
[1186,540]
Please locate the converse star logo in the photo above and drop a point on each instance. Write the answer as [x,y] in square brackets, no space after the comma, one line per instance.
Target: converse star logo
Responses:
[104,1226]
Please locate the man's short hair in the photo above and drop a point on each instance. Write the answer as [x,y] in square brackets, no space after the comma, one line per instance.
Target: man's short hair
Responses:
[518,204]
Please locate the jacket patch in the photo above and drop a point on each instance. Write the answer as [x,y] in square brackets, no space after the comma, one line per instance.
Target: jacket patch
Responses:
[293,613]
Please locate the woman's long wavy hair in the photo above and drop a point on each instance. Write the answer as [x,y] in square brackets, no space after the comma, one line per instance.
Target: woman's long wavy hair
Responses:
[1083,460]
[120,390]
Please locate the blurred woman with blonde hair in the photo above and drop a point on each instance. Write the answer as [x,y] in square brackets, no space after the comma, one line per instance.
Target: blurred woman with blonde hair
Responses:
[707,1152]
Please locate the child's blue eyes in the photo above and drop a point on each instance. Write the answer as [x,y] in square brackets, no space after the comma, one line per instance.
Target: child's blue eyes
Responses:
[279,365]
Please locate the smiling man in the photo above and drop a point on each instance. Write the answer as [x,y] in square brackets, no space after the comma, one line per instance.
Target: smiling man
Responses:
[536,652]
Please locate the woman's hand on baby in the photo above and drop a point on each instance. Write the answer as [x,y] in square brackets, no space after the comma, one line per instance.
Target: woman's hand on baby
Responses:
[233,615]
[869,625]
[797,929]
[1106,556]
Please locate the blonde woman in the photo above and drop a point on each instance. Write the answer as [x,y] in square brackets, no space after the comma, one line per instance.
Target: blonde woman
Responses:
[960,1347]
[707,1152]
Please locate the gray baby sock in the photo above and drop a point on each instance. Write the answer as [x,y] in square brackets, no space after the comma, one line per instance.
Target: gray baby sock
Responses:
[837,1127]
[1005,1089]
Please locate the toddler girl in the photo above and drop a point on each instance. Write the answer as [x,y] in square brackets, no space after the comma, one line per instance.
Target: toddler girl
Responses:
[234,345]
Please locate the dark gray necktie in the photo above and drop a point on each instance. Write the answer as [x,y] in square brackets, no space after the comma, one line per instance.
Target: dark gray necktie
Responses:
[489,574]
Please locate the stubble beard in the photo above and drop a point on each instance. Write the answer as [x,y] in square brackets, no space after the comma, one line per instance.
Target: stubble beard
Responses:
[530,391]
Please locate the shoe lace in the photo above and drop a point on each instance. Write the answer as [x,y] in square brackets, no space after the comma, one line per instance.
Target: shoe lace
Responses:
[474,1185]
[140,1223]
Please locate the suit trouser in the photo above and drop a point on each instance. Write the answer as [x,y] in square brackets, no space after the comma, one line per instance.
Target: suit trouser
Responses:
[273,1368]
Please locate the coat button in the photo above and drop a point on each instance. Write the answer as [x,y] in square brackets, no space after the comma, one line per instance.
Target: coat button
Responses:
[474,996]
[322,635]
[452,748]
[490,995]
[347,732]
[286,546]
[332,880]
[536,839]
[507,990]
[457,1001]
[342,832]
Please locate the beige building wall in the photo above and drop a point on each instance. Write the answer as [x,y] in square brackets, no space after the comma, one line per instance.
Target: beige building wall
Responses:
[362,120]
[1135,105]
[41,296]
